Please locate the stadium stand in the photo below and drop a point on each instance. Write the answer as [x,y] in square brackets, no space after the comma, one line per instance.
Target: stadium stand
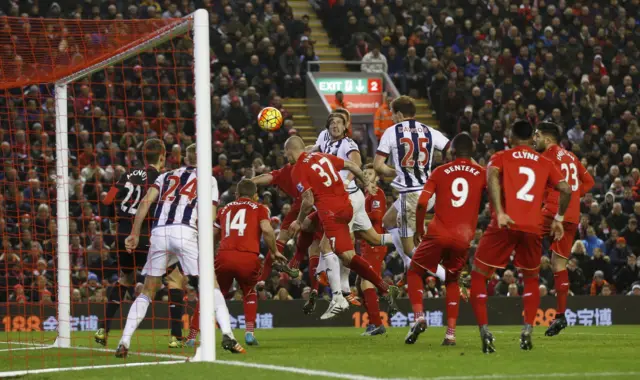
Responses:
[481,64]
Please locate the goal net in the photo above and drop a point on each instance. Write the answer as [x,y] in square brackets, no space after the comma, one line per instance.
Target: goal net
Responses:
[78,100]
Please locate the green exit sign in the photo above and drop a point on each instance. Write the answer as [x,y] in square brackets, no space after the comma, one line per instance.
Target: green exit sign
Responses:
[349,86]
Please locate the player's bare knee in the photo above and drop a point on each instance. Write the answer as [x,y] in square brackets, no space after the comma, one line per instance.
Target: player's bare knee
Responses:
[558,263]
[364,284]
[483,268]
[407,244]
[346,257]
[389,220]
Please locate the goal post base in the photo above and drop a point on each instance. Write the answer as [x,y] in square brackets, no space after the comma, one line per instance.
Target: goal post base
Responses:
[62,342]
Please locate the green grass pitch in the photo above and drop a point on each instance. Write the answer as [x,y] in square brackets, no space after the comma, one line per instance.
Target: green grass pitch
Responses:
[579,352]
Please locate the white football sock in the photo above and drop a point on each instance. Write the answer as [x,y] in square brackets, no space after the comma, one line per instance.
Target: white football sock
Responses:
[344,278]
[322,265]
[441,273]
[136,314]
[386,239]
[333,271]
[222,313]
[397,242]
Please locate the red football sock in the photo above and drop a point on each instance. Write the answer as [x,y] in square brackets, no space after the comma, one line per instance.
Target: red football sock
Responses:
[313,265]
[266,268]
[364,270]
[250,311]
[194,325]
[479,297]
[415,288]
[453,305]
[561,280]
[531,299]
[305,239]
[372,306]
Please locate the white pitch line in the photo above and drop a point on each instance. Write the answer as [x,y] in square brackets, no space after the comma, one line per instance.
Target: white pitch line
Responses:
[536,376]
[303,371]
[25,349]
[147,354]
[64,369]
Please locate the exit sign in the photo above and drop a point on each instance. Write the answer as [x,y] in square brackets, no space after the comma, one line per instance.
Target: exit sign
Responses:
[349,86]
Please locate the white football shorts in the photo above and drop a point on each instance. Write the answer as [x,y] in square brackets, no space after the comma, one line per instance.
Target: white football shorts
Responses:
[406,205]
[169,245]
[360,220]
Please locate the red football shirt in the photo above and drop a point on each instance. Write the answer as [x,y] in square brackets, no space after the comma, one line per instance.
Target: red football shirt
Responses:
[376,207]
[524,176]
[282,178]
[321,173]
[239,224]
[458,188]
[576,176]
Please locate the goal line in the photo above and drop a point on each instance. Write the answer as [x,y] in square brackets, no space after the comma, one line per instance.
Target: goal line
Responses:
[169,359]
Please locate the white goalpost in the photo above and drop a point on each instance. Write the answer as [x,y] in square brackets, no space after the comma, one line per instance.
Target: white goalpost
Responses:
[198,24]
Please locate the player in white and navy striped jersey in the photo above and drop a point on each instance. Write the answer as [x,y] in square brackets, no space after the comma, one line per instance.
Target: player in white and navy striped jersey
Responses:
[410,146]
[174,238]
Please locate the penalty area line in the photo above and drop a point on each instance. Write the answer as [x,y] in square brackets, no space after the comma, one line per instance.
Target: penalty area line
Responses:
[65,369]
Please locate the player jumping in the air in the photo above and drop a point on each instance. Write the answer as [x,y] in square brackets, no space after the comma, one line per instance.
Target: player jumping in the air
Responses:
[317,179]
[458,188]
[517,179]
[411,146]
[174,239]
[305,241]
[127,194]
[240,224]
[546,140]
[375,206]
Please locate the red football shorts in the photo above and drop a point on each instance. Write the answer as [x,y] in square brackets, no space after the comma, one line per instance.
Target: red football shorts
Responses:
[497,245]
[373,255]
[291,216]
[434,250]
[318,231]
[563,246]
[244,267]
[336,228]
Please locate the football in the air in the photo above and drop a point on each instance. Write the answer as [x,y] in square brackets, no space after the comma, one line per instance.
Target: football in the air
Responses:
[270,119]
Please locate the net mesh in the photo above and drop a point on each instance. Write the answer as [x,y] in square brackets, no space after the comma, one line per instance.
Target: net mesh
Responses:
[111,113]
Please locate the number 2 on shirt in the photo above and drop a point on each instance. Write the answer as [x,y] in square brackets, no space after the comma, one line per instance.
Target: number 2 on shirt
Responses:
[189,190]
[407,160]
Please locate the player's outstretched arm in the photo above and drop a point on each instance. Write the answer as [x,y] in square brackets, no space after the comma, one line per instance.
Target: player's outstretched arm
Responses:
[357,172]
[381,167]
[312,149]
[421,212]
[269,237]
[152,195]
[495,195]
[263,179]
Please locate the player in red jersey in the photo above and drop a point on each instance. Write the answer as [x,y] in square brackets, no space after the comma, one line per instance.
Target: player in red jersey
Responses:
[546,139]
[307,241]
[516,181]
[240,225]
[376,207]
[458,188]
[317,179]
